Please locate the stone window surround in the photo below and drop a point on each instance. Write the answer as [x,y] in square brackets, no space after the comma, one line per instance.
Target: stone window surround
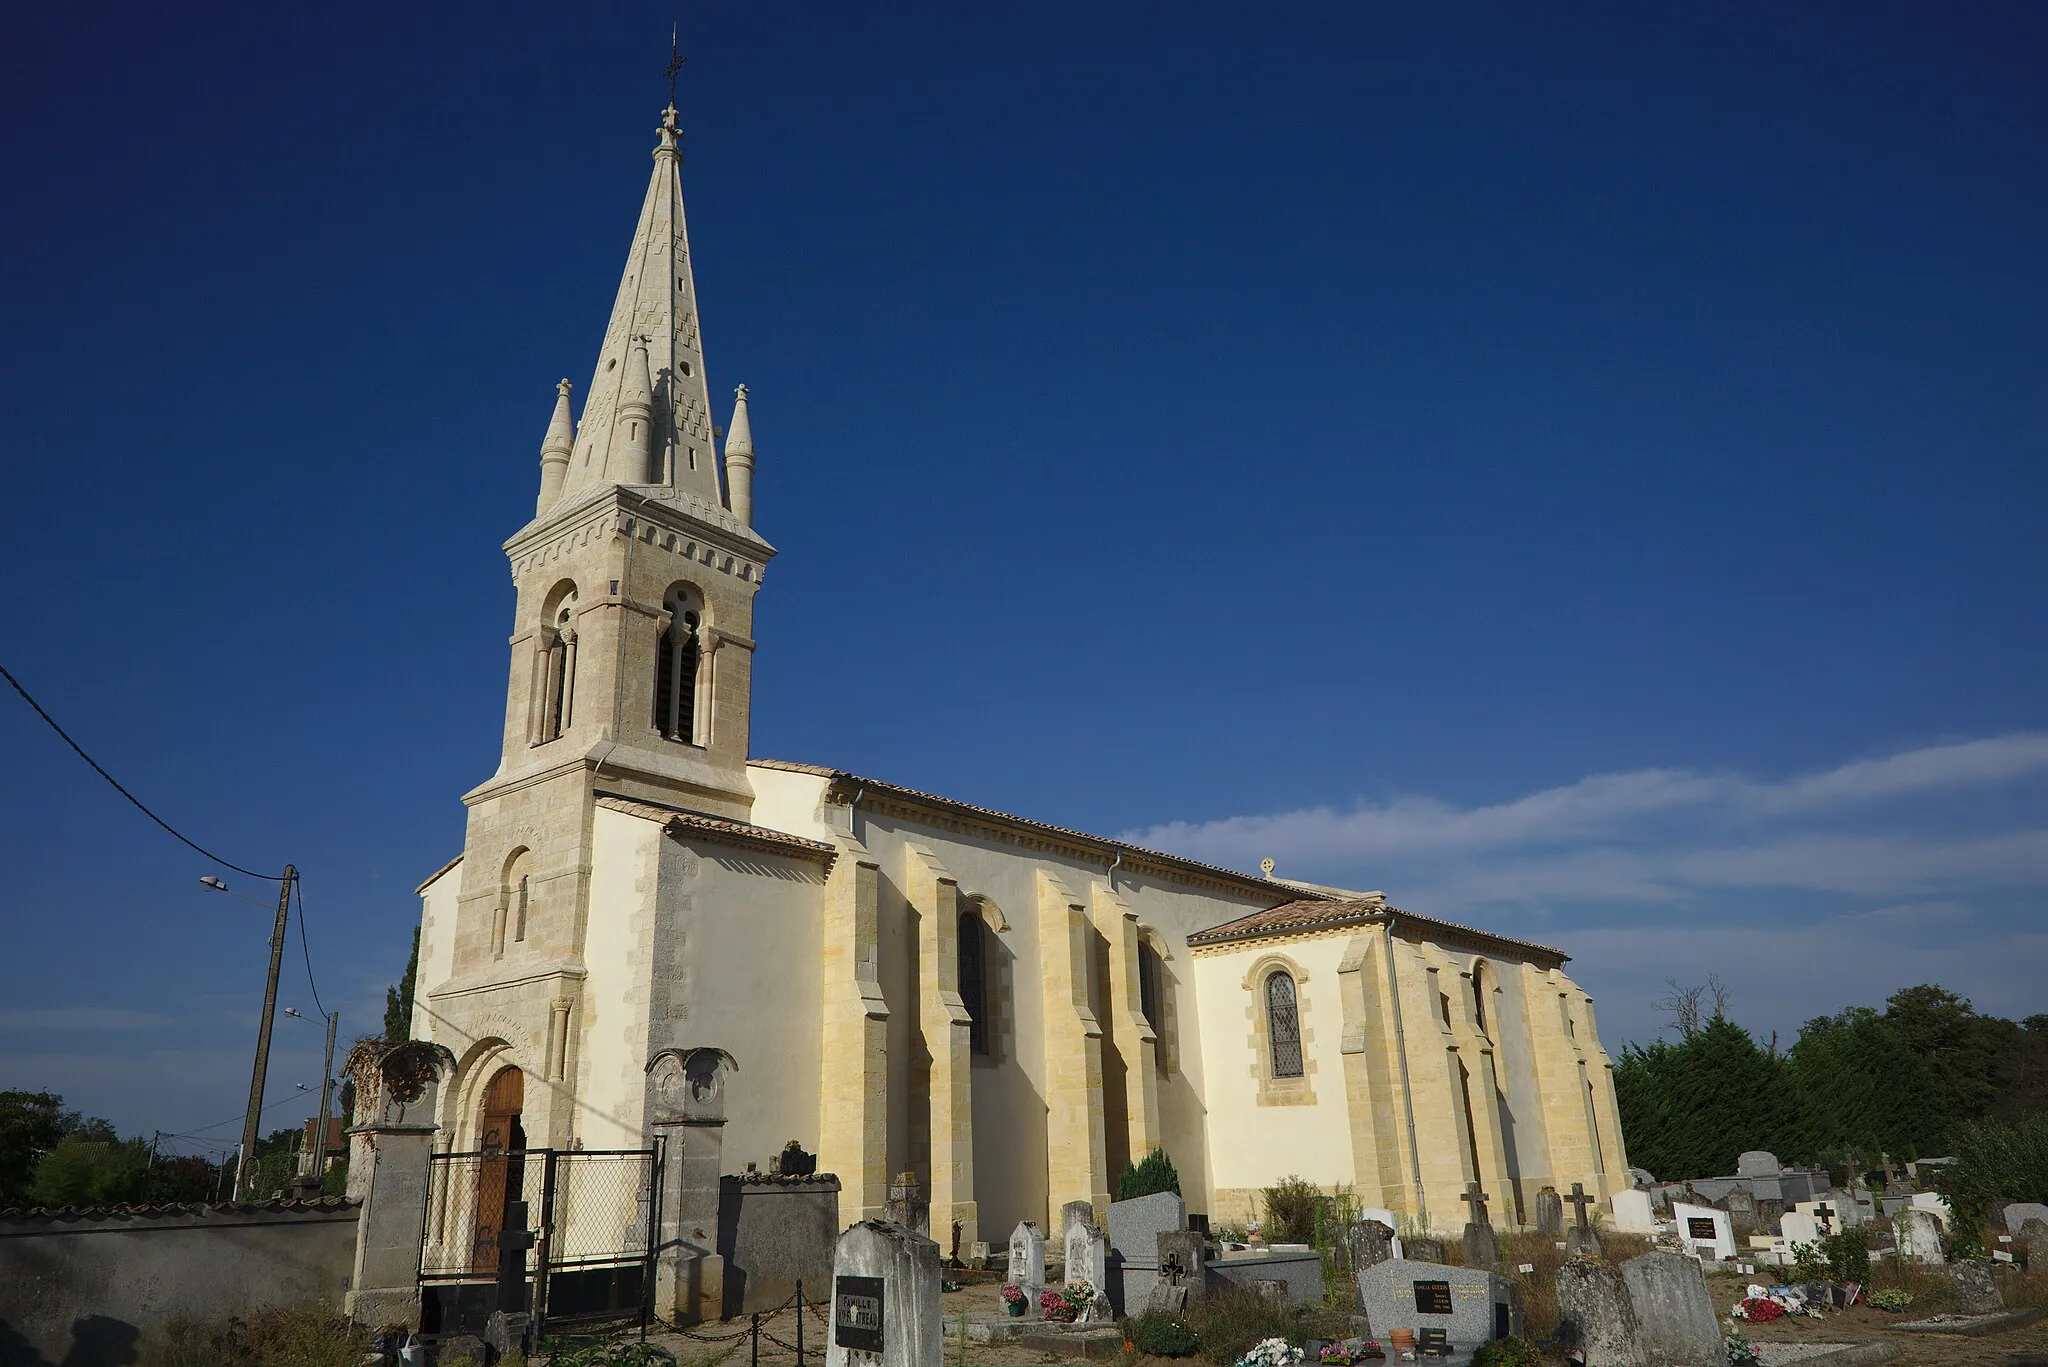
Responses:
[1271,1090]
[1165,1030]
[997,983]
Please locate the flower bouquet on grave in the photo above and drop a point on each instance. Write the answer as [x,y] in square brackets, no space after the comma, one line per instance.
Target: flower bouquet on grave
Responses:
[1271,1353]
[1056,1308]
[1741,1352]
[1013,1300]
[1335,1355]
[1079,1294]
[1759,1310]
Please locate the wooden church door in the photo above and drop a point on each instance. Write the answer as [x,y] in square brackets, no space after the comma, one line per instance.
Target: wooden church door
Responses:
[500,1175]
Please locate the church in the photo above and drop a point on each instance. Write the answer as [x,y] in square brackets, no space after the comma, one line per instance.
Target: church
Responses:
[899,981]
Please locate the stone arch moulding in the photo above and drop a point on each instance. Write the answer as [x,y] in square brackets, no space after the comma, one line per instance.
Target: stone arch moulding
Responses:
[1272,1090]
[492,1048]
[984,906]
[1161,945]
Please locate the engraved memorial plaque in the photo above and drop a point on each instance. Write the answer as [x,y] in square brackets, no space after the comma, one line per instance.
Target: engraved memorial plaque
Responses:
[1432,1298]
[857,1313]
[1701,1228]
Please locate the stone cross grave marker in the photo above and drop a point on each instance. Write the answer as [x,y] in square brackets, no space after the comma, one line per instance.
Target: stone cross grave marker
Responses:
[1582,1239]
[1469,1305]
[1182,1270]
[1668,1292]
[885,1299]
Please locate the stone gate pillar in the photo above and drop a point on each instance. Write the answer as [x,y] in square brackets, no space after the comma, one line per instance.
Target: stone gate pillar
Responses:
[393,1141]
[686,1101]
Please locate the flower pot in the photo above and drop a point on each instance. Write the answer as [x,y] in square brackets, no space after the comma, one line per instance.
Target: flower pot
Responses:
[1016,1310]
[1401,1342]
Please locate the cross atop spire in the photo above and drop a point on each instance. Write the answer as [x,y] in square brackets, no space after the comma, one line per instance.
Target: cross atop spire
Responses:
[675,64]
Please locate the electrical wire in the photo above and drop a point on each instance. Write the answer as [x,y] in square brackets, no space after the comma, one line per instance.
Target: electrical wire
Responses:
[175,833]
[299,891]
[201,1135]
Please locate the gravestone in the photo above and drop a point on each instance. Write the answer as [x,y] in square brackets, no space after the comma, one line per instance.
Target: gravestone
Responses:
[1976,1288]
[1797,1228]
[1934,1202]
[1180,1269]
[1758,1163]
[1740,1204]
[1769,1211]
[1704,1232]
[1471,1306]
[1426,1250]
[1633,1213]
[885,1299]
[1826,1215]
[1919,1235]
[1668,1292]
[1087,1260]
[1596,1321]
[1027,1260]
[1581,1240]
[2032,1235]
[2019,1212]
[1371,1242]
[906,1204]
[1549,1213]
[1134,1229]
[1482,1245]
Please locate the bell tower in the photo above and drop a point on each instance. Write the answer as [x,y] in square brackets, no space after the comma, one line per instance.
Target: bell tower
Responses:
[631,650]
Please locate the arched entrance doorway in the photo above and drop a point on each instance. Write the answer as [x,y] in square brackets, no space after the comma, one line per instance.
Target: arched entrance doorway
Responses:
[501,1176]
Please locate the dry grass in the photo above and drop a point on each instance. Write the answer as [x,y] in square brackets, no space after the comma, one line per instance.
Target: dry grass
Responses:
[303,1336]
[1539,1288]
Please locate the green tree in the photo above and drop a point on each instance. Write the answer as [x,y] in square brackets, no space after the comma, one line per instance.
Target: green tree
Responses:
[398,998]
[1154,1175]
[1689,1108]
[1994,1163]
[1960,1046]
[87,1170]
[1861,1087]
[31,1124]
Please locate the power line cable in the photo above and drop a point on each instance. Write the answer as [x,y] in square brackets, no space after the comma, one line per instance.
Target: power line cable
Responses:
[299,891]
[201,1135]
[175,833]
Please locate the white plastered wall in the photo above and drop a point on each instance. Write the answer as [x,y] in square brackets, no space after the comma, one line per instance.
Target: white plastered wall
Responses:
[438,900]
[1252,1145]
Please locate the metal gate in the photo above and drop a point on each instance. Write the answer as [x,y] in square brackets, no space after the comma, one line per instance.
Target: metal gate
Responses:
[567,1235]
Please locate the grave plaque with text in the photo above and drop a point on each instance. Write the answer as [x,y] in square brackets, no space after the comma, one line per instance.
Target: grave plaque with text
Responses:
[1702,1230]
[857,1319]
[1433,1298]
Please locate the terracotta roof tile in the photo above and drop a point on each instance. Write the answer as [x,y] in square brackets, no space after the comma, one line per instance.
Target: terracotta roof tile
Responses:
[16,1215]
[720,828]
[1245,880]
[1324,914]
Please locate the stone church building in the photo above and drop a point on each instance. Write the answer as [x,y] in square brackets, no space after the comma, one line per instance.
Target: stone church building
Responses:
[901,981]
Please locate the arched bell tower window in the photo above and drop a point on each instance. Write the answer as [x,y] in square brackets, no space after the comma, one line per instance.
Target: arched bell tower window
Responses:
[557,667]
[1283,1026]
[677,658]
[973,952]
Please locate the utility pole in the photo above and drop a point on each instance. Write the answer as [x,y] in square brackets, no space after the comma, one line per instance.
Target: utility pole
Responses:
[243,1166]
[326,1091]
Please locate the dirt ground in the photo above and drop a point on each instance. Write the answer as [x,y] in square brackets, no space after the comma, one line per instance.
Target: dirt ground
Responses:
[727,1345]
[2024,1347]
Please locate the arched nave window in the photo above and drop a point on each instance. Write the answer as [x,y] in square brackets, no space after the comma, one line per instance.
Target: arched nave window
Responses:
[973,955]
[1283,1026]
[676,658]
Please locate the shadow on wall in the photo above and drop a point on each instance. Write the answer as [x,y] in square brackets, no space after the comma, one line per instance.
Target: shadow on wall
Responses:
[96,1341]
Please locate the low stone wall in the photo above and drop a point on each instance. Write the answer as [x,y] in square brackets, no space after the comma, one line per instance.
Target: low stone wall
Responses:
[81,1287]
[773,1231]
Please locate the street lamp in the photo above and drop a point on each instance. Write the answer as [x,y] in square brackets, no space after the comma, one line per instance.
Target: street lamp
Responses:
[326,1091]
[250,1121]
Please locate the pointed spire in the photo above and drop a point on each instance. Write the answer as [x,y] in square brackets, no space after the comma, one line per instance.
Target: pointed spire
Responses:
[656,304]
[555,450]
[633,441]
[739,460]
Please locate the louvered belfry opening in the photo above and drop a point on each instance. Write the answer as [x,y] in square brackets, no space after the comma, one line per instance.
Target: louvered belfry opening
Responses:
[1283,1025]
[675,678]
[974,981]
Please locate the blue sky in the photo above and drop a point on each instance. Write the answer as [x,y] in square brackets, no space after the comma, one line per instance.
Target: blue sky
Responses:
[1578,469]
